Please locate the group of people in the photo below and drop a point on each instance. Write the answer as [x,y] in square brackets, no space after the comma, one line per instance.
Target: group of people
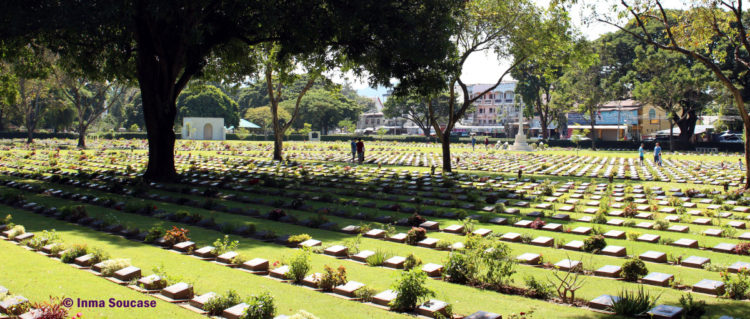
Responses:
[358,150]
[657,154]
[474,142]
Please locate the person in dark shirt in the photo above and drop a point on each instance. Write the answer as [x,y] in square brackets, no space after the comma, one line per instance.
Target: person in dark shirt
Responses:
[361,151]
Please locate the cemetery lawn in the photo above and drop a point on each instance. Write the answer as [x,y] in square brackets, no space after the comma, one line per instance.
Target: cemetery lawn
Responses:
[321,163]
[37,277]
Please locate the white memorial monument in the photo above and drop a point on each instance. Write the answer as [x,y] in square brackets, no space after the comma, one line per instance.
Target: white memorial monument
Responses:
[314,136]
[520,143]
[203,128]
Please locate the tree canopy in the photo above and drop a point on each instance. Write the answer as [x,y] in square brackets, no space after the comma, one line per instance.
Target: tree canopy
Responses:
[164,44]
[207,101]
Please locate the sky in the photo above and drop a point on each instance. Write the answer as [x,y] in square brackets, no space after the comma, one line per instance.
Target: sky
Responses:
[485,68]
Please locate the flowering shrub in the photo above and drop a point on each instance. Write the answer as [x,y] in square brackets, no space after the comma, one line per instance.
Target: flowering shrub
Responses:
[176,235]
[630,210]
[332,278]
[415,235]
[537,223]
[52,309]
[742,248]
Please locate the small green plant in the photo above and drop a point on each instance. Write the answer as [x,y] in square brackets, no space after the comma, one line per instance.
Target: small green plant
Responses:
[43,239]
[162,272]
[238,260]
[594,244]
[365,294]
[97,255]
[661,224]
[411,289]
[538,289]
[216,305]
[458,269]
[73,252]
[443,244]
[633,304]
[692,309]
[378,258]
[599,218]
[109,267]
[7,221]
[332,278]
[16,231]
[154,233]
[412,262]
[633,269]
[299,266]
[736,287]
[633,235]
[260,307]
[223,245]
[353,244]
[296,239]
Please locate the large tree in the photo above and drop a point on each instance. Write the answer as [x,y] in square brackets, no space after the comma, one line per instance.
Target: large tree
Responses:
[582,87]
[414,108]
[204,100]
[280,72]
[33,67]
[713,32]
[536,76]
[168,42]
[676,84]
[262,117]
[514,28]
[323,109]
[89,99]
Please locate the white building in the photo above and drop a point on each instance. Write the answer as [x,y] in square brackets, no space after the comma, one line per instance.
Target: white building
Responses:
[203,128]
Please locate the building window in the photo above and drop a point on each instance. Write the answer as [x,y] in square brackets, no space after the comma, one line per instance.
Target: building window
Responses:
[652,116]
[481,111]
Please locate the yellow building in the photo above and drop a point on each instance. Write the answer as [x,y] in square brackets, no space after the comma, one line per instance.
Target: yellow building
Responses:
[651,120]
[623,119]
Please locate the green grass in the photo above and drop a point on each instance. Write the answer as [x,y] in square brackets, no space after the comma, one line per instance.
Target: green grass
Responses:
[37,278]
[464,299]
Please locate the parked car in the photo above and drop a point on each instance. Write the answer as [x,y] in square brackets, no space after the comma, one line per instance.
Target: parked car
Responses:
[730,138]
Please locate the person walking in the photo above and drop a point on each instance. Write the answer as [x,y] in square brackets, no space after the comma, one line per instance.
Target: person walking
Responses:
[740,162]
[354,149]
[361,151]
[657,154]
[486,143]
[640,153]
[473,142]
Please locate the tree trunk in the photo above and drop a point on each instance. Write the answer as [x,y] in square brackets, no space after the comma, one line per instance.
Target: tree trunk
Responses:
[593,132]
[687,126]
[278,141]
[446,152]
[30,136]
[81,136]
[159,111]
[671,135]
[747,155]
[543,124]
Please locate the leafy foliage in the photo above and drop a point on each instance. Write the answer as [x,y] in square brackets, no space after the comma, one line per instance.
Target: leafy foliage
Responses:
[411,289]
